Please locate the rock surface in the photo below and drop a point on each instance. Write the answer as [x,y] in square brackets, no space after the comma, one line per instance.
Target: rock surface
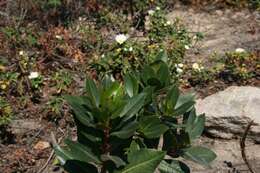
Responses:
[24,125]
[229,158]
[229,112]
[223,30]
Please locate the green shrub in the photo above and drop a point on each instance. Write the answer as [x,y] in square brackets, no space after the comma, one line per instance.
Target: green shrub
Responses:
[62,80]
[132,126]
[6,112]
[160,37]
[238,66]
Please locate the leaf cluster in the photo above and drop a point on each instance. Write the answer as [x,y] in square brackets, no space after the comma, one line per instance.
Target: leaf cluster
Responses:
[130,127]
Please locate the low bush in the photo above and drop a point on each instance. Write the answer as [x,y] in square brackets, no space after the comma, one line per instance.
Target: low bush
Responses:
[6,112]
[132,126]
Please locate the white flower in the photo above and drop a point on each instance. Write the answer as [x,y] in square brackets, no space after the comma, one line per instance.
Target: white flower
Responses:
[21,53]
[58,37]
[130,49]
[82,18]
[195,66]
[151,12]
[195,37]
[102,56]
[179,70]
[180,65]
[168,22]
[187,47]
[121,38]
[112,79]
[125,49]
[240,50]
[158,8]
[33,75]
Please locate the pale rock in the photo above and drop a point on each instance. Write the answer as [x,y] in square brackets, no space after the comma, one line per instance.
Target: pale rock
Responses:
[228,112]
[41,145]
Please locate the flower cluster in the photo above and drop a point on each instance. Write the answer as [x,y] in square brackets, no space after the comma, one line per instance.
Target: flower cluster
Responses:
[179,68]
[121,38]
[197,67]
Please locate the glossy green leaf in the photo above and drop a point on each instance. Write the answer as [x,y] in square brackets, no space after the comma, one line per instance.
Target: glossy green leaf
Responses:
[131,85]
[201,155]
[184,99]
[185,107]
[162,56]
[195,125]
[173,167]
[115,159]
[112,90]
[147,73]
[172,98]
[163,74]
[73,166]
[80,111]
[90,137]
[152,127]
[127,131]
[93,92]
[134,146]
[75,151]
[143,161]
[133,105]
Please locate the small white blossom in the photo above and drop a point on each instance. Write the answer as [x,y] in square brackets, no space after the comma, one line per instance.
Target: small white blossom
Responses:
[187,47]
[112,79]
[130,49]
[102,56]
[151,12]
[195,66]
[33,75]
[82,18]
[58,37]
[179,70]
[121,38]
[21,53]
[158,8]
[180,65]
[168,22]
[125,49]
[240,50]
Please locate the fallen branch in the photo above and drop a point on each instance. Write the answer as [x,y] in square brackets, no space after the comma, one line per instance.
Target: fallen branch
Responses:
[243,146]
[54,142]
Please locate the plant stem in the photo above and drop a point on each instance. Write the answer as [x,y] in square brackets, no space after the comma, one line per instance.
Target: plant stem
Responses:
[106,146]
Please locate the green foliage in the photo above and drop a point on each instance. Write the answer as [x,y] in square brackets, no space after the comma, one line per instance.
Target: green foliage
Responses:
[119,126]
[54,3]
[54,105]
[20,37]
[255,4]
[6,112]
[199,75]
[164,39]
[238,66]
[7,79]
[62,80]
[37,82]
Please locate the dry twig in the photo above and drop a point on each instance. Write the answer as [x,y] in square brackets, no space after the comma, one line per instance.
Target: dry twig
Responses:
[243,145]
[54,142]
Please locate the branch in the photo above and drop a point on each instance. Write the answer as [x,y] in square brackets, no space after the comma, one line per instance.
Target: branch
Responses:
[243,145]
